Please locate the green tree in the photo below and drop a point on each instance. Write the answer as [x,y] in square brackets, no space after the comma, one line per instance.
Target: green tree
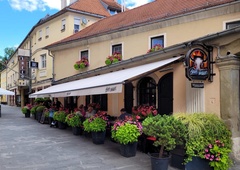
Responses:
[8,52]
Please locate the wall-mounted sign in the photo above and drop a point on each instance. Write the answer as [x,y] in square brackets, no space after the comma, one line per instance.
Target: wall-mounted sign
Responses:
[23,69]
[33,64]
[197,62]
[197,85]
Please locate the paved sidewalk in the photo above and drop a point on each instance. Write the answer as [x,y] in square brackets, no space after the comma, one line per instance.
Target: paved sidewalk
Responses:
[26,144]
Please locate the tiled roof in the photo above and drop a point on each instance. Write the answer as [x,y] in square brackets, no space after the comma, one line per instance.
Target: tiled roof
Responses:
[94,6]
[147,13]
[112,4]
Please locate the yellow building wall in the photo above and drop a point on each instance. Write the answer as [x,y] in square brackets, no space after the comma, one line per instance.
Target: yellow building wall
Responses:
[136,44]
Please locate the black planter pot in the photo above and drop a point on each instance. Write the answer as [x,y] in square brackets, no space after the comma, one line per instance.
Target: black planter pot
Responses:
[62,125]
[39,115]
[128,150]
[98,137]
[27,115]
[198,163]
[177,157]
[159,163]
[77,131]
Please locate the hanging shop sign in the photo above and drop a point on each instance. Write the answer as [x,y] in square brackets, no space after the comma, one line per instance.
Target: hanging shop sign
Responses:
[23,69]
[197,62]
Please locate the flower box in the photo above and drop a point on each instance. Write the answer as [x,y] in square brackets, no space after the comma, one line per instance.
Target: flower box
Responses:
[116,57]
[83,63]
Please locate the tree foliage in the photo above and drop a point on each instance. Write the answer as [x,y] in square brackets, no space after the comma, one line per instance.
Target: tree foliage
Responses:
[8,52]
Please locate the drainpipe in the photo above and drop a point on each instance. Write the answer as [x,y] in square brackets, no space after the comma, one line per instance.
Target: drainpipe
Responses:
[53,74]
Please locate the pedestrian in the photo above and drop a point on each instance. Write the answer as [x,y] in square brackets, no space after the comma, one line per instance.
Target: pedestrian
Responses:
[124,114]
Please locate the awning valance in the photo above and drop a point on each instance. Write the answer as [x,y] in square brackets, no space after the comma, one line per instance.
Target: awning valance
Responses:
[101,84]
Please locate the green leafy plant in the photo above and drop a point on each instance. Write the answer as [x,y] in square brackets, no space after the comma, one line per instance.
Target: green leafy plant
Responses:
[116,57]
[33,110]
[96,123]
[24,110]
[204,129]
[126,131]
[167,130]
[156,47]
[73,120]
[60,116]
[46,112]
[81,63]
[40,109]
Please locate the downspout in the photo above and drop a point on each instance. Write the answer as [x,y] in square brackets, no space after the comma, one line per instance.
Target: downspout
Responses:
[53,73]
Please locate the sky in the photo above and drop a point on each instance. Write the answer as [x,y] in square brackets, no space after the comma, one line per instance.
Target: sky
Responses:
[17,17]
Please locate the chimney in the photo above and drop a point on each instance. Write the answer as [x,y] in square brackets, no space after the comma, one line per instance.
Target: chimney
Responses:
[63,3]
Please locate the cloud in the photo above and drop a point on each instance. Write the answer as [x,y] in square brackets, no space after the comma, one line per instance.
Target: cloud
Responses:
[135,3]
[32,5]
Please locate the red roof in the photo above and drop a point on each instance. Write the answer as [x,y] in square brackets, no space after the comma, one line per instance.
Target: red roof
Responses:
[94,6]
[158,9]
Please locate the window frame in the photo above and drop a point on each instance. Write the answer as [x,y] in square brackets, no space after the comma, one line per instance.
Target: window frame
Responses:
[43,61]
[151,38]
[115,45]
[76,23]
[82,52]
[63,26]
[227,24]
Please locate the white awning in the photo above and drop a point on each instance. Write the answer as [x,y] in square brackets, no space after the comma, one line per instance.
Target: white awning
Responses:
[6,92]
[102,84]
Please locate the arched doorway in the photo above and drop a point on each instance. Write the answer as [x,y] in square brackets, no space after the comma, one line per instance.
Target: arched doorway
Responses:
[165,94]
[146,91]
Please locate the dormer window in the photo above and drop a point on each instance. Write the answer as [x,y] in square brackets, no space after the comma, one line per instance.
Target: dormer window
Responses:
[112,12]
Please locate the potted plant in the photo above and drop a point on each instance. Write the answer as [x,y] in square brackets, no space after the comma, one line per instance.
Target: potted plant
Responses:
[39,111]
[60,117]
[208,142]
[156,47]
[97,124]
[74,120]
[45,116]
[26,110]
[116,57]
[33,111]
[81,63]
[126,132]
[168,133]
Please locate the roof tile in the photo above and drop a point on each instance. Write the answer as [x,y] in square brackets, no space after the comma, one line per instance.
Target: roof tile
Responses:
[155,10]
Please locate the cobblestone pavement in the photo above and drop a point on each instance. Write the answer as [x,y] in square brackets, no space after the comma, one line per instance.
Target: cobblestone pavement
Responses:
[26,144]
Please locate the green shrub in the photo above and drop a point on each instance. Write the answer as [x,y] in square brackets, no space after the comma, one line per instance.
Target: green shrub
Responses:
[40,109]
[205,129]
[73,120]
[60,116]
[24,110]
[126,132]
[168,131]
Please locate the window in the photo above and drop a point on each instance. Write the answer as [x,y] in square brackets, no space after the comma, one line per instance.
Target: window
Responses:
[47,32]
[112,12]
[232,24]
[63,24]
[43,61]
[40,35]
[117,48]
[157,40]
[84,54]
[146,91]
[101,99]
[76,25]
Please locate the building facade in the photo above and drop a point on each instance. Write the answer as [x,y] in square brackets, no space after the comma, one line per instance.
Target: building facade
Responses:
[192,37]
